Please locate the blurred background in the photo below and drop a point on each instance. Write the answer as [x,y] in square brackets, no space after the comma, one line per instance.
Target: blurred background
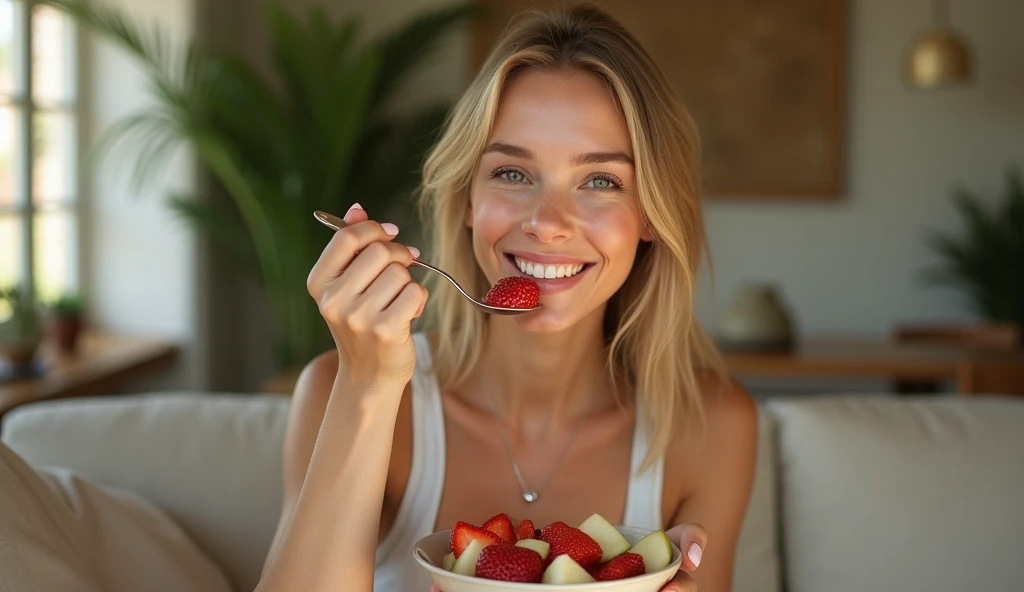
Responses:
[864,198]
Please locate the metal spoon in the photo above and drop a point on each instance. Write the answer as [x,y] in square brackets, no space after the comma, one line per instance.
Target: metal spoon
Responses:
[336,223]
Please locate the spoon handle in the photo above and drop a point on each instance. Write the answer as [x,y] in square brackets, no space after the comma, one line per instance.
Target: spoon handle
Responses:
[336,223]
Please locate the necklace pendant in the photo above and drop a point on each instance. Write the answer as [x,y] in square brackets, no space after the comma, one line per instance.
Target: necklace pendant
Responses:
[530,496]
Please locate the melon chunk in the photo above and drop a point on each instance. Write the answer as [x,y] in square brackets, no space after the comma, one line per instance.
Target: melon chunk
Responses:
[448,562]
[466,563]
[565,570]
[612,542]
[541,547]
[656,550]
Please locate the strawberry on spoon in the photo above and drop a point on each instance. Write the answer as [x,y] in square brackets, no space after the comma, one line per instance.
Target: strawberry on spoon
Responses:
[514,292]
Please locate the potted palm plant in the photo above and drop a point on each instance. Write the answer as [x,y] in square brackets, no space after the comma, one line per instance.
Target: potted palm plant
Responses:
[316,133]
[986,261]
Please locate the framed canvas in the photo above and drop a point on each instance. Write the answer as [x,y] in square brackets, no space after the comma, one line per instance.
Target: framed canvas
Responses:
[764,80]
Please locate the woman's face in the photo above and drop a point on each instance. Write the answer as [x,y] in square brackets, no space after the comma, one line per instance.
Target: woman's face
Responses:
[554,196]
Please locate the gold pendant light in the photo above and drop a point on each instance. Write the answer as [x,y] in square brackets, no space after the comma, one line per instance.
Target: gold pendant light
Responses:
[938,56]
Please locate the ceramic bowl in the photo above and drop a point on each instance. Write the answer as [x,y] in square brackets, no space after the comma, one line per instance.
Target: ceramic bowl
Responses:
[430,550]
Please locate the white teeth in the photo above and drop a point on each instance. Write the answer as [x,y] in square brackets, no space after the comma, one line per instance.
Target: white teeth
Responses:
[546,271]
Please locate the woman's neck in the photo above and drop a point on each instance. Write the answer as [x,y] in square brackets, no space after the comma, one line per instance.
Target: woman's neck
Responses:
[537,380]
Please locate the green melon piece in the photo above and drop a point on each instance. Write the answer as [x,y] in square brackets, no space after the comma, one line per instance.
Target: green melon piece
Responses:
[541,547]
[448,562]
[656,550]
[466,563]
[612,542]
[565,570]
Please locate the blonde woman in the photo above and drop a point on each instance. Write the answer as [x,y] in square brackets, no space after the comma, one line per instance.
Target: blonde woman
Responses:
[568,156]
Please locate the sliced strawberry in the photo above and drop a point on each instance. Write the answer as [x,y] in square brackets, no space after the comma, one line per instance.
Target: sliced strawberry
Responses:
[566,540]
[514,292]
[464,533]
[509,563]
[624,566]
[525,530]
[501,525]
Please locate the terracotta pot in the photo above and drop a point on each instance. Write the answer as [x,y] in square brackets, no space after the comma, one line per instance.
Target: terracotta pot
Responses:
[65,331]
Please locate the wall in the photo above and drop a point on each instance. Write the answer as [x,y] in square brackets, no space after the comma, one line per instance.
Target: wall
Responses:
[141,263]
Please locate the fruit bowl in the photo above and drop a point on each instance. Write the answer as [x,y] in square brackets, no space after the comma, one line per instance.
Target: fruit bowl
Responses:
[429,552]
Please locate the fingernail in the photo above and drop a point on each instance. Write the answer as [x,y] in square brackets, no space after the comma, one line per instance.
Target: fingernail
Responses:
[415,252]
[355,206]
[695,553]
[390,228]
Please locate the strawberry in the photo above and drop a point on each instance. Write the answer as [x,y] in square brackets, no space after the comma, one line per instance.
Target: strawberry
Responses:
[501,525]
[525,530]
[627,565]
[509,563]
[566,540]
[464,533]
[514,292]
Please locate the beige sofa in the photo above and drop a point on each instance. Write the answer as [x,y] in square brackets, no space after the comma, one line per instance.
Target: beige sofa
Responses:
[853,493]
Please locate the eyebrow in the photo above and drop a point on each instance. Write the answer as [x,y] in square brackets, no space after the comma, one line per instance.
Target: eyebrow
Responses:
[578,160]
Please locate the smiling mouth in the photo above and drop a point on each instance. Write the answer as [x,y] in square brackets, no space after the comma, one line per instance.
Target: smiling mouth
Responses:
[547,271]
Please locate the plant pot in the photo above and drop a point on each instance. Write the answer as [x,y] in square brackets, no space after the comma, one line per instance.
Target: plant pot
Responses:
[65,330]
[19,355]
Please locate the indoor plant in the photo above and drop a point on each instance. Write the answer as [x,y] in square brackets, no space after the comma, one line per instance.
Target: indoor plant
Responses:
[315,134]
[986,261]
[66,314]
[22,332]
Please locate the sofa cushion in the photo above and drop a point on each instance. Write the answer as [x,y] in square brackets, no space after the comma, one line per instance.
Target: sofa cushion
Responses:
[757,566]
[59,531]
[887,494]
[212,463]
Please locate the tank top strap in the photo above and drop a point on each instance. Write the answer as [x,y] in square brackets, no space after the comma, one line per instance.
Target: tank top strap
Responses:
[644,492]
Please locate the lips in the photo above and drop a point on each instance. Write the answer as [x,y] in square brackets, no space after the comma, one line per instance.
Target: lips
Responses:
[572,270]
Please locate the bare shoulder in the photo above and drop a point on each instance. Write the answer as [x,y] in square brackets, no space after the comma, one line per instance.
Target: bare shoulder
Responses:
[725,438]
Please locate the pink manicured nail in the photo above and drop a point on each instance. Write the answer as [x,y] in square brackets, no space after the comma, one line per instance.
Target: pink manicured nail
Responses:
[355,206]
[415,252]
[695,553]
[390,228]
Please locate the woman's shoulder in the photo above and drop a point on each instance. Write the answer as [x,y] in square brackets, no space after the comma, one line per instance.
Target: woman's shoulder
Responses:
[728,406]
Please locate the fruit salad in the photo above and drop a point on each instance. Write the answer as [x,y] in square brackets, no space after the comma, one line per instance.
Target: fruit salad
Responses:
[556,554]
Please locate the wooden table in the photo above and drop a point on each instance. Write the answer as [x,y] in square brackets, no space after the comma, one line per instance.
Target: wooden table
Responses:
[103,363]
[971,370]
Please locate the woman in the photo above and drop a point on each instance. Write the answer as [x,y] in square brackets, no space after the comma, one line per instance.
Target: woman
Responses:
[567,159]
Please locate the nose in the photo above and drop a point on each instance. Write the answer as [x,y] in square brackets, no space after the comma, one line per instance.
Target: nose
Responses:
[550,219]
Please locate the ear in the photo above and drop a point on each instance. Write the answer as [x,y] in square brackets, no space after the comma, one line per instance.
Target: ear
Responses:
[646,235]
[468,216]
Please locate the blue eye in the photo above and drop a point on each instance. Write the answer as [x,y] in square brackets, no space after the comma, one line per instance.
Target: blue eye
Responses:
[603,183]
[511,176]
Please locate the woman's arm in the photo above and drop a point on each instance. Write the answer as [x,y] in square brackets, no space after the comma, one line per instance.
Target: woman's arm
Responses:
[726,459]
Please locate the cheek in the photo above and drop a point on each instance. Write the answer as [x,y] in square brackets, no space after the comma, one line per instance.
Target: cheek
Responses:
[615,234]
[493,217]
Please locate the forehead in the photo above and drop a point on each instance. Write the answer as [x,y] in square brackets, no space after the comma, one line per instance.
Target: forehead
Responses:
[573,109]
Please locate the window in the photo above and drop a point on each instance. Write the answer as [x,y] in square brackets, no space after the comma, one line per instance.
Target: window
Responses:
[38,149]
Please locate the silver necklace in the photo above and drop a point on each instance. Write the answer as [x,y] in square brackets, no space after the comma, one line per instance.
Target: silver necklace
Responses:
[532,495]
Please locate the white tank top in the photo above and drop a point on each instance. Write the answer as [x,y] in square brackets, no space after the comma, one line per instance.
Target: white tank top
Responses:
[395,570]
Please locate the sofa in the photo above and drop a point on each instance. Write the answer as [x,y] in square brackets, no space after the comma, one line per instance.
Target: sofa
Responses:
[852,493]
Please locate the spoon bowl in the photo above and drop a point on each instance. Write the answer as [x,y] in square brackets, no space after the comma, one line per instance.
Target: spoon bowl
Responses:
[335,223]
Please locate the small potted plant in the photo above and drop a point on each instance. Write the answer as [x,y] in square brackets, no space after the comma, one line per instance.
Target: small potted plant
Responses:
[66,319]
[986,260]
[22,331]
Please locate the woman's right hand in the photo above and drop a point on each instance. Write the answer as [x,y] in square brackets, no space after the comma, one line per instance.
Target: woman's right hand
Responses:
[362,285]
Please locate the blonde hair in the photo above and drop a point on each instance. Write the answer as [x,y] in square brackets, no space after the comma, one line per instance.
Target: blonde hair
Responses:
[654,346]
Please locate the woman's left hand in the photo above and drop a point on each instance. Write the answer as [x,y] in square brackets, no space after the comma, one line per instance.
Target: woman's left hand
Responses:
[691,538]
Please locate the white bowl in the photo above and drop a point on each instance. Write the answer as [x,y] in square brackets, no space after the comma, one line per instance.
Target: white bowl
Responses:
[430,550]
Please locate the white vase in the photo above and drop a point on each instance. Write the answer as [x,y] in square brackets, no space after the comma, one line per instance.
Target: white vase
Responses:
[755,320]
